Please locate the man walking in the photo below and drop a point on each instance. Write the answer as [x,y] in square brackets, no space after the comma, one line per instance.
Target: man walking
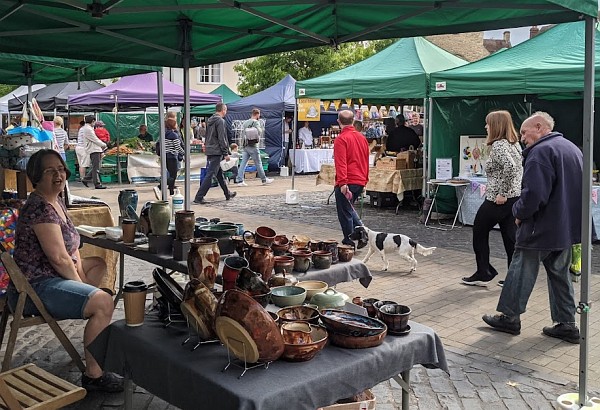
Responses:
[93,148]
[217,148]
[548,216]
[351,159]
[251,150]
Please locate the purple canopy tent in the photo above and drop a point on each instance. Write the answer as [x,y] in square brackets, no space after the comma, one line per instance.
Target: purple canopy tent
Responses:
[135,92]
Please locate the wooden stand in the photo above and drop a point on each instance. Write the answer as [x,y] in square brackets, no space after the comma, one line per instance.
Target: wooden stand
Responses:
[15,180]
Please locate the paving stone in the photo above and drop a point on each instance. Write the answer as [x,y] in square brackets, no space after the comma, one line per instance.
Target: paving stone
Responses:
[441,385]
[488,394]
[465,389]
[472,404]
[505,390]
[515,404]
[479,379]
[537,401]
[449,401]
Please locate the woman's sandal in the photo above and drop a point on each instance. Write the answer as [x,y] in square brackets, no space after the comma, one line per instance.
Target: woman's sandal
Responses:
[109,383]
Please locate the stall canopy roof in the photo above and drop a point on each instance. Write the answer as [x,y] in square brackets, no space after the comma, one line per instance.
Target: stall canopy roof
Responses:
[138,91]
[399,72]
[154,32]
[17,92]
[551,63]
[279,97]
[16,68]
[225,92]
[54,96]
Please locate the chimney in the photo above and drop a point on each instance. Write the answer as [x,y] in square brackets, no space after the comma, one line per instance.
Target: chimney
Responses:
[533,31]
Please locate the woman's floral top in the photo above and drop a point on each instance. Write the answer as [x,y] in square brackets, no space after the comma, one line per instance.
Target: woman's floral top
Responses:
[504,170]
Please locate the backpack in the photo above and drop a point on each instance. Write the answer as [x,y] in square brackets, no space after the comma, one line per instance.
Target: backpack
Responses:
[251,132]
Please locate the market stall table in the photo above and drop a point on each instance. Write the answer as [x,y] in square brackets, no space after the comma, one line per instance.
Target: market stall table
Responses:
[311,160]
[146,167]
[436,184]
[153,358]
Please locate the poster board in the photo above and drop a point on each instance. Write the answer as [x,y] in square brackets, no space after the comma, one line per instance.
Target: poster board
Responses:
[443,168]
[309,109]
[472,156]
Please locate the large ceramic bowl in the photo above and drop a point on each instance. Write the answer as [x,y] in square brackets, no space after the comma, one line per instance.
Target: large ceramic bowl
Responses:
[305,352]
[356,342]
[284,296]
[351,324]
[313,287]
[255,321]
[298,313]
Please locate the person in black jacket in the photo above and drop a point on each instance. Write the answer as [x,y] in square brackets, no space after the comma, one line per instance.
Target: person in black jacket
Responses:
[402,137]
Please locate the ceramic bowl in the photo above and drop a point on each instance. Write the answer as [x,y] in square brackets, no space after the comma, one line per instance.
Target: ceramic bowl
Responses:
[284,296]
[368,304]
[255,321]
[356,342]
[345,253]
[313,287]
[351,324]
[395,316]
[305,352]
[298,313]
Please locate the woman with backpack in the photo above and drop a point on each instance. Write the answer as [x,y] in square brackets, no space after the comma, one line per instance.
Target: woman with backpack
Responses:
[251,133]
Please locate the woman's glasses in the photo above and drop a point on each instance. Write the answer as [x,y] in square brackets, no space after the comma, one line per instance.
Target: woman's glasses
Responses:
[53,171]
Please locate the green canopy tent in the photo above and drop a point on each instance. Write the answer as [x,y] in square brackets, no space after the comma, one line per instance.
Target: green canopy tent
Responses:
[225,92]
[189,34]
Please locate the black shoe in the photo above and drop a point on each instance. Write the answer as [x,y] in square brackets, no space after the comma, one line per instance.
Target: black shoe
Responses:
[84,182]
[108,383]
[231,195]
[200,201]
[503,323]
[100,187]
[564,331]
[501,283]
[477,280]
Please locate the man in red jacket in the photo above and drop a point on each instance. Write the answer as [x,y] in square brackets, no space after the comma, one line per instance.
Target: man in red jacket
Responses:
[351,158]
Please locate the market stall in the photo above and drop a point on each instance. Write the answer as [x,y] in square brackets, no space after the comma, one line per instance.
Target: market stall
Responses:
[55,96]
[311,160]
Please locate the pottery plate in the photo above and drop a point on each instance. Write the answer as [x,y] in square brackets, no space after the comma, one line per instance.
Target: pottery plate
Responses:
[402,333]
[167,286]
[236,339]
[195,321]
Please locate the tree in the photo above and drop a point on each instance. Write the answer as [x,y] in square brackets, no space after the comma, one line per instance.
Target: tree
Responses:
[265,71]
[5,89]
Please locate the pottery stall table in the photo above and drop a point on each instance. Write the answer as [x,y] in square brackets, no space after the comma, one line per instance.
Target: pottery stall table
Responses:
[311,160]
[153,358]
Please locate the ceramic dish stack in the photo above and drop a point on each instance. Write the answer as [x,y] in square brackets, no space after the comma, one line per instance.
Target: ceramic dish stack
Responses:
[351,330]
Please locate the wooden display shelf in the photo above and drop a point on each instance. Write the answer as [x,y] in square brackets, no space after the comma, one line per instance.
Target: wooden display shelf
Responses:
[14,180]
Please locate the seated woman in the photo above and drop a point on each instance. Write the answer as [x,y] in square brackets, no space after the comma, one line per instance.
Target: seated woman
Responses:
[47,251]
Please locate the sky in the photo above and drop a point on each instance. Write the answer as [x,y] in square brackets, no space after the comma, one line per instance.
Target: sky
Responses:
[517,35]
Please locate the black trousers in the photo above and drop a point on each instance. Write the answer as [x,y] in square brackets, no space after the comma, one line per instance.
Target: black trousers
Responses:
[213,168]
[488,215]
[172,170]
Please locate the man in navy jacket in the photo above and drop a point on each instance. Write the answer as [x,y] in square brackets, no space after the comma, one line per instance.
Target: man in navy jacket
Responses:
[548,215]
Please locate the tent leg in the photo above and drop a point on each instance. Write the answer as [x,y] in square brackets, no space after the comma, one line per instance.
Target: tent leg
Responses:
[161,132]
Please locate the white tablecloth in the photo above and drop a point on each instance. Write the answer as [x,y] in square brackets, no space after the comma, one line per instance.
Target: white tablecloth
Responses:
[146,167]
[310,160]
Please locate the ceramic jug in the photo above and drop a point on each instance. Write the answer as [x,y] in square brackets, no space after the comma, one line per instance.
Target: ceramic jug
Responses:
[203,260]
[261,260]
[160,217]
[184,225]
[231,270]
[128,201]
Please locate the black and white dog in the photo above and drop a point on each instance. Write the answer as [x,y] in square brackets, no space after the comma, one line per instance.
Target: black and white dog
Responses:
[387,242]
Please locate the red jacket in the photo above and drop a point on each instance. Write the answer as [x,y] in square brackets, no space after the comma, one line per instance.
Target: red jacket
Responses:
[102,134]
[351,158]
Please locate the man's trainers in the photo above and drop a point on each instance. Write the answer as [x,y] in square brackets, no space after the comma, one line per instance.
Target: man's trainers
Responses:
[157,193]
[232,195]
[477,280]
[241,184]
[564,331]
[503,323]
[200,201]
[268,181]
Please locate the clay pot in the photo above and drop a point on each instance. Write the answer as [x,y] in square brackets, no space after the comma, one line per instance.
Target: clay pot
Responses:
[330,245]
[395,317]
[239,244]
[283,264]
[300,241]
[263,236]
[184,225]
[128,201]
[223,233]
[251,283]
[321,259]
[345,253]
[231,269]
[314,245]
[203,260]
[280,246]
[160,216]
[261,260]
[296,333]
[304,352]
[368,304]
[302,260]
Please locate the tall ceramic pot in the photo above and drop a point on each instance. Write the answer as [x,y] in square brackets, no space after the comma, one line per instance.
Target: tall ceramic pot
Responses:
[184,225]
[261,260]
[128,201]
[160,217]
[203,260]
[330,245]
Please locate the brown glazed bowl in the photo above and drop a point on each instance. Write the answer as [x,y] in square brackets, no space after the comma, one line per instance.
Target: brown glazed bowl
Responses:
[255,320]
[368,304]
[305,352]
[352,324]
[298,313]
[395,317]
[356,342]
[345,253]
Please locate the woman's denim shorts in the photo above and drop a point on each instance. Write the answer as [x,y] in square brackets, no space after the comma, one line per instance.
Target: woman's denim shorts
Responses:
[62,298]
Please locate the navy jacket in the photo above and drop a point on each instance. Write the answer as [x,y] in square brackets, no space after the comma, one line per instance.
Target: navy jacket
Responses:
[216,142]
[550,202]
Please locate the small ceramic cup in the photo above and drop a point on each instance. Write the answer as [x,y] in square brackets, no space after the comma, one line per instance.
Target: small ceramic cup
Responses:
[296,333]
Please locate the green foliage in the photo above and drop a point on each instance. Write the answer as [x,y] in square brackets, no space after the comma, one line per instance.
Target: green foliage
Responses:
[5,89]
[265,71]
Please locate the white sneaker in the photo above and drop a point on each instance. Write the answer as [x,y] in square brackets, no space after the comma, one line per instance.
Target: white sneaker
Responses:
[241,184]
[157,193]
[268,181]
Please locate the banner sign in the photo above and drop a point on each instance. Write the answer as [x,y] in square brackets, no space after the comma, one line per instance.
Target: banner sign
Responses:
[309,109]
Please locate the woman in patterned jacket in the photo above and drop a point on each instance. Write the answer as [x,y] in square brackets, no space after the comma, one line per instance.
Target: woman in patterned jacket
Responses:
[504,170]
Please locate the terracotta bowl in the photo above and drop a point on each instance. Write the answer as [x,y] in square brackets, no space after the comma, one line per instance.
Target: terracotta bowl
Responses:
[356,342]
[284,296]
[255,320]
[298,313]
[395,317]
[351,324]
[305,352]
[313,287]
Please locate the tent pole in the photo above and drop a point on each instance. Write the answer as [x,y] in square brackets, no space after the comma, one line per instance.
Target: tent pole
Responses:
[429,134]
[161,134]
[186,26]
[586,222]
[293,140]
[425,146]
[118,140]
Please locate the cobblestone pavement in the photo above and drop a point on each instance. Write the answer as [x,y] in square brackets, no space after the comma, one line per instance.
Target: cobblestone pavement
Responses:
[487,369]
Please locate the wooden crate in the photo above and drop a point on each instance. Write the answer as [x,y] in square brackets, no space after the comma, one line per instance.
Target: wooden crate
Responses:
[368,404]
[391,163]
[250,175]
[408,157]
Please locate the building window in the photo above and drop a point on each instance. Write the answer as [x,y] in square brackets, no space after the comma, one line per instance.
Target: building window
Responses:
[209,74]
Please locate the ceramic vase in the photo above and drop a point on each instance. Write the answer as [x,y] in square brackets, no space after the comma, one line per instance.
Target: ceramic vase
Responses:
[184,225]
[203,260]
[128,201]
[261,260]
[160,217]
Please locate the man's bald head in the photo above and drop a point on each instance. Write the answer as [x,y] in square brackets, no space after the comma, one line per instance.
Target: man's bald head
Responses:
[345,117]
[535,127]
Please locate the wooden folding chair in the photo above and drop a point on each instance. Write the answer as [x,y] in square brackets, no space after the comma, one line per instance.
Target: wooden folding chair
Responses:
[29,387]
[19,321]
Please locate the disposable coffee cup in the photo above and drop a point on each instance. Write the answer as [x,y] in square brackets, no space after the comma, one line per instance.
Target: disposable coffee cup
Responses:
[128,226]
[134,296]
